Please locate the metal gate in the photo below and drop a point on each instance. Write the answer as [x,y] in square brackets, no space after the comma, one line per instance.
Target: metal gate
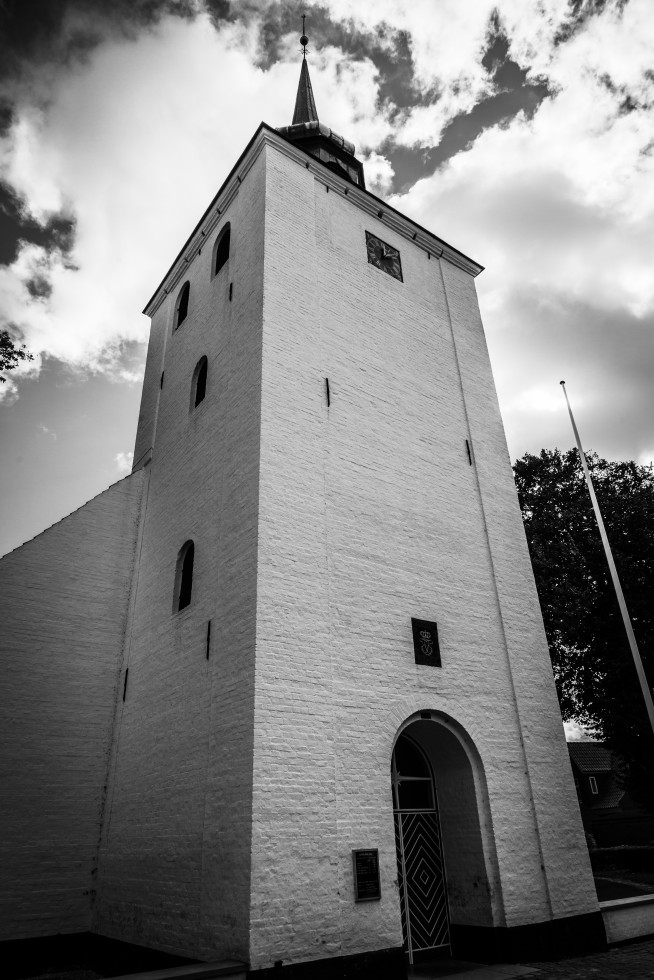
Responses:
[421,876]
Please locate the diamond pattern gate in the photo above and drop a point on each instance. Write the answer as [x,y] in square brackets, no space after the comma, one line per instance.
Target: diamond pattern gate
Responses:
[421,875]
[422,882]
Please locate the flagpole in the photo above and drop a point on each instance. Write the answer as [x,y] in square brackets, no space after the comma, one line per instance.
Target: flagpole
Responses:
[638,663]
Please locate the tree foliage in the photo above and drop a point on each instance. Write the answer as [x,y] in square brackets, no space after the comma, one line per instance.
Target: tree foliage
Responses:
[595,676]
[10,354]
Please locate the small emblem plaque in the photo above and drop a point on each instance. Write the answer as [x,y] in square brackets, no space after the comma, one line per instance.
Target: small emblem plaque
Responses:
[367,887]
[425,642]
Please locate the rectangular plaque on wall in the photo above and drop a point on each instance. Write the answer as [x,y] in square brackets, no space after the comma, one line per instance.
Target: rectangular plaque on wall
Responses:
[367,887]
[425,642]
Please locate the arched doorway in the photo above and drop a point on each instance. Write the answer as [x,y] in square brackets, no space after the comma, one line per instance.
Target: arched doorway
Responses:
[450,893]
[421,875]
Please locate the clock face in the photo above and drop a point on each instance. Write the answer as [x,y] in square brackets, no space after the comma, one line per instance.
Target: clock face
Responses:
[383,256]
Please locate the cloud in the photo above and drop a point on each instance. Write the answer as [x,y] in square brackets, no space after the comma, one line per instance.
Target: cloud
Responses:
[123,145]
[575,733]
[46,431]
[446,51]
[124,462]
[120,138]
[559,207]
[62,31]
[379,174]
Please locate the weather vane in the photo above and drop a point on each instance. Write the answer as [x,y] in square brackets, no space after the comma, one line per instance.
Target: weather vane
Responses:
[304,40]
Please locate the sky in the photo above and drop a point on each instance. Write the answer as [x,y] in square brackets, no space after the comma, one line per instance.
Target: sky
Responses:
[520,131]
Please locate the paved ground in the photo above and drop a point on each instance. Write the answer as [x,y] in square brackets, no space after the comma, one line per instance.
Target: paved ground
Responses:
[632,962]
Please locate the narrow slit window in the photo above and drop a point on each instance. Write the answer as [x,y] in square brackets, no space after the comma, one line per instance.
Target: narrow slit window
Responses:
[199,384]
[184,576]
[181,307]
[221,249]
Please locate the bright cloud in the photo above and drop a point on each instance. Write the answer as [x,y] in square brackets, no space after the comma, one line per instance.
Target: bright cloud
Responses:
[124,461]
[133,142]
[574,732]
[124,144]
[560,209]
[446,51]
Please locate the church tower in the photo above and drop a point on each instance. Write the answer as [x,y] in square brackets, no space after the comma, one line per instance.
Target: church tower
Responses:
[336,742]
[344,693]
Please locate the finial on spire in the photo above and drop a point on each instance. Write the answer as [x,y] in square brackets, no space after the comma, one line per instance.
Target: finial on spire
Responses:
[314,137]
[305,105]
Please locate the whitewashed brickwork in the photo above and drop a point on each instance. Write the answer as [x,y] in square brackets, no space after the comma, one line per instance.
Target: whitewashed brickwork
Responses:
[370,513]
[63,606]
[239,782]
[175,862]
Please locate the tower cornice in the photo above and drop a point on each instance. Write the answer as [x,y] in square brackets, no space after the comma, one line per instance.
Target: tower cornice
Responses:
[363,199]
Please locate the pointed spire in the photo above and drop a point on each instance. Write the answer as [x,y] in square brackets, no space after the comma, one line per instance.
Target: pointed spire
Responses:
[312,136]
[305,104]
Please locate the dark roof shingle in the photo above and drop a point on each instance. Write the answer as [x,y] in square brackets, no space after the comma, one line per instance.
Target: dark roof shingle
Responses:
[590,757]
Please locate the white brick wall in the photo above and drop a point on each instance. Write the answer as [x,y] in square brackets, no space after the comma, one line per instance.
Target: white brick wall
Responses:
[63,599]
[370,513]
[176,847]
[238,785]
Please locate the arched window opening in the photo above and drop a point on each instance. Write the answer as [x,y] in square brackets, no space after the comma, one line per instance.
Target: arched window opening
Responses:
[184,577]
[199,384]
[221,249]
[411,777]
[181,308]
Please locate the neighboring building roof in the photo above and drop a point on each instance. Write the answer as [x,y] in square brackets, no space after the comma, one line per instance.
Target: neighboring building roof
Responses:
[594,759]
[590,757]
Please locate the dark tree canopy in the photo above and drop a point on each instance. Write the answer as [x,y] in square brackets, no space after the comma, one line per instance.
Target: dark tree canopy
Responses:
[10,354]
[595,676]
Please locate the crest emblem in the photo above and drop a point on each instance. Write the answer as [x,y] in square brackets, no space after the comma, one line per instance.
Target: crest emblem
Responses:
[426,644]
[426,649]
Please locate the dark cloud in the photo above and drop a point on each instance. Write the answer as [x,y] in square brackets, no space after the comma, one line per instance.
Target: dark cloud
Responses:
[61,31]
[6,117]
[514,93]
[628,103]
[581,11]
[388,49]
[396,69]
[497,50]
[16,226]
[411,165]
[39,287]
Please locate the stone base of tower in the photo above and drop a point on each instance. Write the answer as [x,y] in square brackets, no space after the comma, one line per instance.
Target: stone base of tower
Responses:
[382,964]
[570,936]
